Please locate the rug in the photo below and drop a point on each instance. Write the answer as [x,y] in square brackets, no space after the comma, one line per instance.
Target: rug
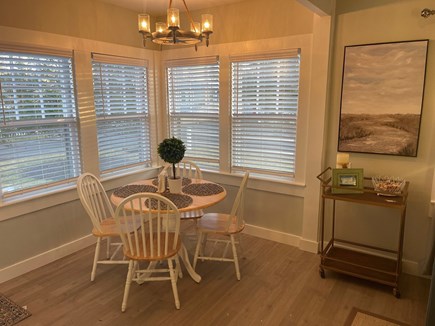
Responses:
[359,317]
[10,312]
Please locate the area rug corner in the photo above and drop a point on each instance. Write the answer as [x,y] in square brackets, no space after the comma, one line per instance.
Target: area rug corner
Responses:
[10,312]
[358,317]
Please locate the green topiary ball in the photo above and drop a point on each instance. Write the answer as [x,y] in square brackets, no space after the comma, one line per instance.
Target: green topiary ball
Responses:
[171,150]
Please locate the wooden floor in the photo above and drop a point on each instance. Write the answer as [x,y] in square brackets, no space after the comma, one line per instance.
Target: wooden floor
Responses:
[280,285]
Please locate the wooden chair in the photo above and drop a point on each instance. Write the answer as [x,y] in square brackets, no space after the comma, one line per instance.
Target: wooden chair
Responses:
[227,225]
[155,239]
[97,205]
[187,169]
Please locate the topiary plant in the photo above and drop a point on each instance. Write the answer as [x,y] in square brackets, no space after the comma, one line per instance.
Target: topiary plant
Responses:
[171,150]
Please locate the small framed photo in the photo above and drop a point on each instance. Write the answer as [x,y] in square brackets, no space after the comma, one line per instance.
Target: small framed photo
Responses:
[347,181]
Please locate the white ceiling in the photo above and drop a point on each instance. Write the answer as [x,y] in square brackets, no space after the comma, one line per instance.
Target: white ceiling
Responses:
[158,7]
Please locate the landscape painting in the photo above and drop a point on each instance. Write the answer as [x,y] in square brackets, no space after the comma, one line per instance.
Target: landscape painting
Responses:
[382,97]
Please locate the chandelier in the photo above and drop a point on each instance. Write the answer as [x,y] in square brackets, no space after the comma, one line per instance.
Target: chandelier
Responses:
[170,33]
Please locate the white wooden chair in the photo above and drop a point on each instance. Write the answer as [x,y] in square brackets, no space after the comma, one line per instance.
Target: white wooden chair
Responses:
[155,238]
[187,169]
[226,225]
[97,205]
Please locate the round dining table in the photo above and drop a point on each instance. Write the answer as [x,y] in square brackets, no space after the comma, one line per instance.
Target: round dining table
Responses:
[195,194]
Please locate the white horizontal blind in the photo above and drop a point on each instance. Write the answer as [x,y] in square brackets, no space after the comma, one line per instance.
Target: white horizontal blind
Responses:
[38,134]
[264,108]
[193,102]
[121,105]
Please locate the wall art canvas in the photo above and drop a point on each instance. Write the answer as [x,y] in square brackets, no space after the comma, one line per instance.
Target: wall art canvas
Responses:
[382,97]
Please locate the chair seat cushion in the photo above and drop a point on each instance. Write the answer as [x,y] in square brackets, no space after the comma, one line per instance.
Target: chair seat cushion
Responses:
[218,223]
[154,255]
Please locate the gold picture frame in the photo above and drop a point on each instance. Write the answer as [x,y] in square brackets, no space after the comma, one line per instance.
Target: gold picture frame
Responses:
[347,181]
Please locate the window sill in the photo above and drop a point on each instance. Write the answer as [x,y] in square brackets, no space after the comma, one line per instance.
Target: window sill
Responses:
[35,201]
[289,187]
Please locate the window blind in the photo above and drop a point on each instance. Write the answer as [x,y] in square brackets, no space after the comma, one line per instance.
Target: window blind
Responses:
[193,102]
[38,134]
[121,106]
[264,108]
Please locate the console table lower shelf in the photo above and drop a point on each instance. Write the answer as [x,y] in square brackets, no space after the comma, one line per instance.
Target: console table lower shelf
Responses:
[366,266]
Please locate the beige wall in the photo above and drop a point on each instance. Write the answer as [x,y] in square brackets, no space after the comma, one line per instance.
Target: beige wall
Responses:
[95,20]
[255,20]
[362,22]
[87,19]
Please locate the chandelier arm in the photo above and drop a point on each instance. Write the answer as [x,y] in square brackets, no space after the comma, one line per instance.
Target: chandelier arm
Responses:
[188,15]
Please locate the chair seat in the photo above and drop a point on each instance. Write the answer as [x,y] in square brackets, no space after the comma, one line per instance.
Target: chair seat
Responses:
[109,229]
[218,222]
[153,256]
[191,215]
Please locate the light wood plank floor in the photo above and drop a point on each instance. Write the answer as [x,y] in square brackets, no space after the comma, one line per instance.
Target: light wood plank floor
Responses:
[280,285]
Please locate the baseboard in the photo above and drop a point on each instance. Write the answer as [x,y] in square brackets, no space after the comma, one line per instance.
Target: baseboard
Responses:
[45,258]
[408,266]
[22,267]
[281,237]
[411,267]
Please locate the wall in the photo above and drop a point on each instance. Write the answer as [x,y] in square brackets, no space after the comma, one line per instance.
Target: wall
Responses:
[362,22]
[88,19]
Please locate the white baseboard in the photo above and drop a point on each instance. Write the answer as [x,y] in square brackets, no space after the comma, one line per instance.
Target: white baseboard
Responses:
[22,267]
[408,266]
[45,258]
[281,237]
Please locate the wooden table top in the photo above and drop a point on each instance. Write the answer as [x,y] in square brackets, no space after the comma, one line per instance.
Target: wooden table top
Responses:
[198,202]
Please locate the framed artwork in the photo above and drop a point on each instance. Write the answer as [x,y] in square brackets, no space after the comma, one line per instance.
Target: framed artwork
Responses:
[382,97]
[347,181]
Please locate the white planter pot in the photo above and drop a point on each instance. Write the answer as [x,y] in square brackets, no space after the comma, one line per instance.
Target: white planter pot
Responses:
[175,185]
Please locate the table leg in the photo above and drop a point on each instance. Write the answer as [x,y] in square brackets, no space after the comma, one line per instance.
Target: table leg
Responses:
[185,258]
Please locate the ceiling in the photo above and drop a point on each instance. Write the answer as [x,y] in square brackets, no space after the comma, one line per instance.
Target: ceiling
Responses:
[158,7]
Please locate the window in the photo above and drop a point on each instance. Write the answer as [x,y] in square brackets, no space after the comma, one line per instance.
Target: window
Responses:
[121,106]
[38,133]
[193,102]
[264,108]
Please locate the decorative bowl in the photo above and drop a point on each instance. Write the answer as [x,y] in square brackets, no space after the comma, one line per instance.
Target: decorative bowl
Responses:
[388,186]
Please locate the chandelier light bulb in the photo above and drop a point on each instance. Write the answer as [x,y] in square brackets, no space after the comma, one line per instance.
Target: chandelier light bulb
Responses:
[160,27]
[144,23]
[173,17]
[207,23]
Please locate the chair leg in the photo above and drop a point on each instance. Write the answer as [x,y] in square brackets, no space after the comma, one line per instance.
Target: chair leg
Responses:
[198,246]
[108,248]
[242,252]
[236,261]
[179,271]
[130,273]
[174,277]
[96,255]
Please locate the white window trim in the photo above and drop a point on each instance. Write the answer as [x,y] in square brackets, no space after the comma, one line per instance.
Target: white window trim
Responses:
[61,184]
[208,60]
[257,47]
[99,58]
[35,41]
